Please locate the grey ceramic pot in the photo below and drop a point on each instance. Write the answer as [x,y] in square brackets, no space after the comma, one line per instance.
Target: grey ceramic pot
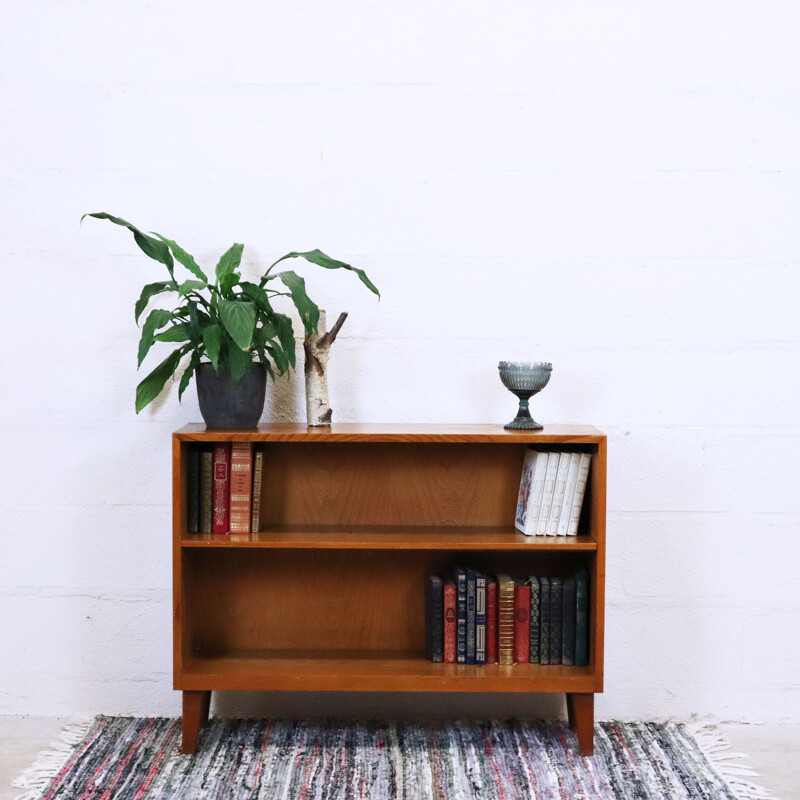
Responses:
[225,404]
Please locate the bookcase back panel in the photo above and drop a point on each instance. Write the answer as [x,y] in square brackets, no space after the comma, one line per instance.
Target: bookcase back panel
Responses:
[390,484]
[328,600]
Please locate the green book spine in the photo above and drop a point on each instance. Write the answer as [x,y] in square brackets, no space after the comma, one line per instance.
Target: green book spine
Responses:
[193,499]
[581,618]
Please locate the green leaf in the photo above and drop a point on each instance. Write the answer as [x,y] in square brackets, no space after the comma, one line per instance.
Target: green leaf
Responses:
[239,362]
[263,333]
[239,320]
[177,333]
[257,295]
[228,282]
[229,262]
[212,339]
[307,308]
[151,386]
[278,356]
[286,337]
[320,259]
[149,291]
[188,372]
[157,318]
[154,248]
[265,361]
[183,257]
[190,286]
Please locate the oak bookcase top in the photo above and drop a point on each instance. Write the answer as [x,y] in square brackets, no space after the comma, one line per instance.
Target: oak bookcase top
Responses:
[380,432]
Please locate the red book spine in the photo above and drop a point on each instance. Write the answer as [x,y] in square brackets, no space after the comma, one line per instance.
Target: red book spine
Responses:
[450,623]
[491,622]
[522,626]
[222,491]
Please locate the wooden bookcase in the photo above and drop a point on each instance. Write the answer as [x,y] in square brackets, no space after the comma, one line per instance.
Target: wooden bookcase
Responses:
[329,594]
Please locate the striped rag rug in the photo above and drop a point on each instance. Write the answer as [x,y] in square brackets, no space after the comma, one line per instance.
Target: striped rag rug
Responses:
[121,758]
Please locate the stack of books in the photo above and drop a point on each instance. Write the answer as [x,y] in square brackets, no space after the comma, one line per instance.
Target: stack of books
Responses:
[551,492]
[224,492]
[474,618]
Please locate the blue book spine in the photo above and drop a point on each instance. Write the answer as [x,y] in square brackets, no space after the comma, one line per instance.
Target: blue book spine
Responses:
[471,586]
[581,618]
[460,578]
[568,622]
[556,600]
[480,618]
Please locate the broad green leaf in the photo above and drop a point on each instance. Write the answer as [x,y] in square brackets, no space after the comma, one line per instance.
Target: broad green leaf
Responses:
[263,333]
[278,356]
[177,333]
[306,307]
[229,262]
[239,320]
[286,337]
[154,248]
[228,282]
[265,361]
[320,259]
[257,295]
[156,319]
[188,372]
[198,321]
[149,291]
[190,286]
[151,386]
[238,362]
[183,257]
[212,339]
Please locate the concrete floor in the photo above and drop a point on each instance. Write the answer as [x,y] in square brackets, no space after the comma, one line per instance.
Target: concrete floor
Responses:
[774,751]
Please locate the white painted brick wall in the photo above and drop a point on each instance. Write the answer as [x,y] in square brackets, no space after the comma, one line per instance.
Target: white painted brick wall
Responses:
[610,185]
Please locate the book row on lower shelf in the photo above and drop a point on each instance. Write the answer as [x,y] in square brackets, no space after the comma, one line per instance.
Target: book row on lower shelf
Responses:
[224,491]
[474,618]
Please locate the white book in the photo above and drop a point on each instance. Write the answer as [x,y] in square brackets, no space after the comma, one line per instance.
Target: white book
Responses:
[569,494]
[531,487]
[558,493]
[580,490]
[547,494]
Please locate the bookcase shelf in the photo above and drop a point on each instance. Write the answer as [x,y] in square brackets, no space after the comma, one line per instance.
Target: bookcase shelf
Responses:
[390,538]
[328,594]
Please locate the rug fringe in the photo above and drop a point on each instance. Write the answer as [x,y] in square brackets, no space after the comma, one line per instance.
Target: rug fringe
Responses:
[730,766]
[49,762]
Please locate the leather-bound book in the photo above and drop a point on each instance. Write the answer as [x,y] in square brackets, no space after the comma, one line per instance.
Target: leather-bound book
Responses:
[536,612]
[193,494]
[491,621]
[449,602]
[241,486]
[206,489]
[544,622]
[505,619]
[222,483]
[522,622]
[555,620]
[568,622]
[581,618]
[434,618]
[258,470]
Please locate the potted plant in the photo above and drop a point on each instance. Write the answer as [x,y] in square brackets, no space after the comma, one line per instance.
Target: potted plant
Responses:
[227,320]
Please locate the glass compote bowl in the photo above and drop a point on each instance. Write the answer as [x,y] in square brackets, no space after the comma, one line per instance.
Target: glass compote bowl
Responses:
[524,379]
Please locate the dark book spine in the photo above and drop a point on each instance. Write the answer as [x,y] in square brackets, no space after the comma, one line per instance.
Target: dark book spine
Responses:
[556,599]
[568,622]
[193,498]
[461,615]
[471,616]
[581,618]
[522,622]
[536,610]
[434,618]
[544,624]
[206,490]
[449,593]
[491,622]
[480,619]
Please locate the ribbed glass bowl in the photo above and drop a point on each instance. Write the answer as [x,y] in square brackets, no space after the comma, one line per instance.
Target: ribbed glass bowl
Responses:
[524,378]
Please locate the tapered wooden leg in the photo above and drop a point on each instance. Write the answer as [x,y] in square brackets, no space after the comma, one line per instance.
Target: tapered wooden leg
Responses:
[195,714]
[580,711]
